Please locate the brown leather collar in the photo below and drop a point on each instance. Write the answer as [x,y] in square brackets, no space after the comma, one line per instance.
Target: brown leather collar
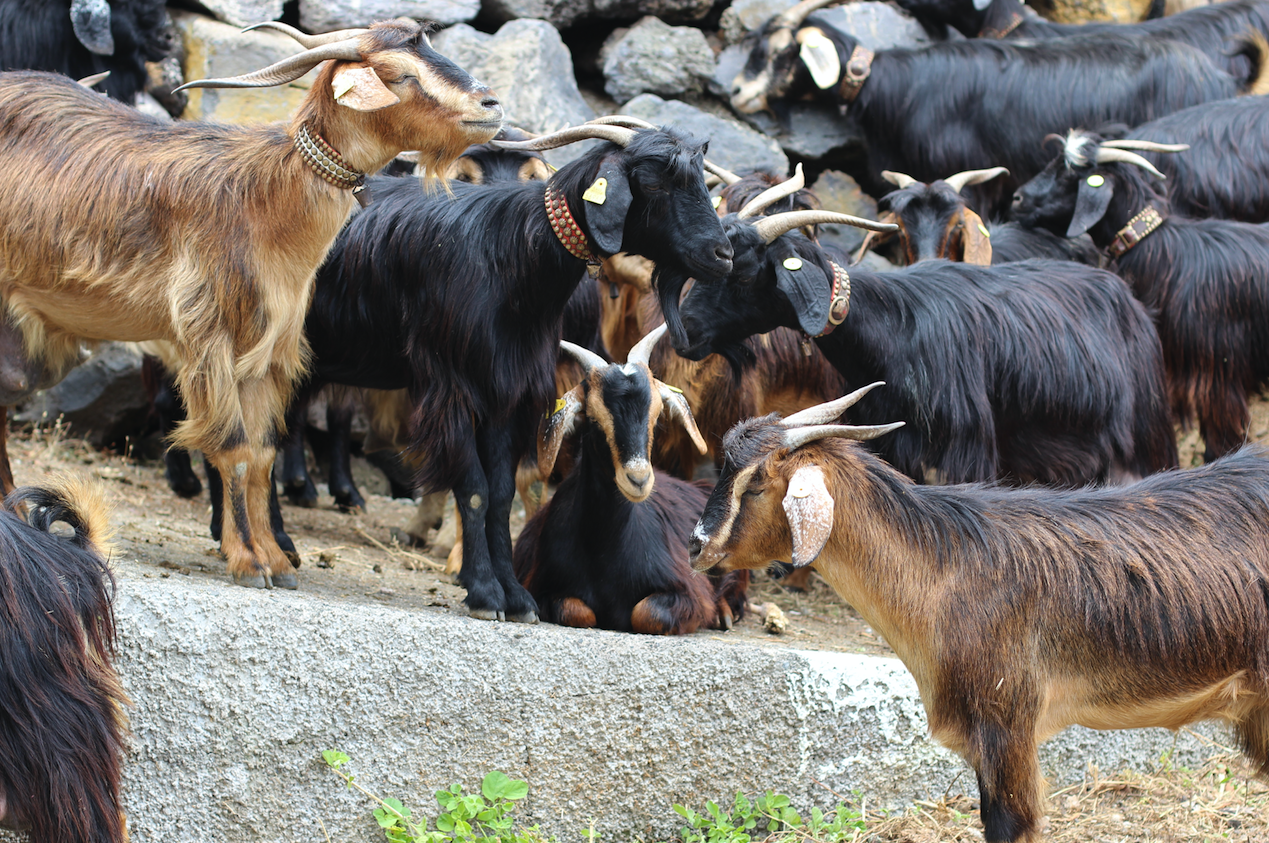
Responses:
[839,300]
[1015,21]
[1146,221]
[566,229]
[858,69]
[329,164]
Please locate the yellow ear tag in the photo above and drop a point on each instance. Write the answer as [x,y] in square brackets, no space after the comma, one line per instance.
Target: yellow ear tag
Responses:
[984,230]
[716,201]
[559,405]
[1096,181]
[793,263]
[674,389]
[597,192]
[343,85]
[800,489]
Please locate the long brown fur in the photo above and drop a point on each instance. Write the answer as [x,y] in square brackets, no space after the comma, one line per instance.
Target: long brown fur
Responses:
[1021,612]
[114,226]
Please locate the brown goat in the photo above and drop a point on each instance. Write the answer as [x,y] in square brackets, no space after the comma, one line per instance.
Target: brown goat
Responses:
[207,237]
[1020,612]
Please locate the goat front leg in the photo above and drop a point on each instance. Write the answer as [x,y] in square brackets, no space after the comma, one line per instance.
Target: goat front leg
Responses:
[1003,754]
[255,557]
[339,479]
[494,445]
[296,481]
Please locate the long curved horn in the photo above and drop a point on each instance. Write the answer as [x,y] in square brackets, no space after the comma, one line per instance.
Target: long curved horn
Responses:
[795,439]
[287,70]
[619,135]
[642,351]
[830,410]
[621,120]
[588,359]
[1107,156]
[968,177]
[899,180]
[1148,146]
[774,194]
[309,41]
[792,18]
[773,226]
[726,175]
[94,80]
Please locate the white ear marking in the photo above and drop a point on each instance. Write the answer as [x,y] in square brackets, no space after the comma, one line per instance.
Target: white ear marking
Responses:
[819,54]
[809,508]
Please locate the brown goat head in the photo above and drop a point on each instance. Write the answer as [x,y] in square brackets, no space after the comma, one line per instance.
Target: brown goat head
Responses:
[771,503]
[623,401]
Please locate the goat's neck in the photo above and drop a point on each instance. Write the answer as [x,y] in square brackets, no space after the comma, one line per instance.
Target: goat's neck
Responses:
[1131,196]
[602,500]
[338,126]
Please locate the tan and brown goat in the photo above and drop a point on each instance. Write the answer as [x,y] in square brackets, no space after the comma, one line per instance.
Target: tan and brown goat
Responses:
[1020,612]
[114,226]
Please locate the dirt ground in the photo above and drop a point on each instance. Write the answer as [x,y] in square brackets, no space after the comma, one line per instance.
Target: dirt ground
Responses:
[352,556]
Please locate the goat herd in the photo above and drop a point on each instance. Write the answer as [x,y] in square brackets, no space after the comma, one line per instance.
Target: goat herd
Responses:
[1016,525]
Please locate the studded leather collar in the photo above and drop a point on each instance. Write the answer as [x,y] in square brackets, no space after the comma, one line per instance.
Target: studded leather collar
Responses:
[1146,221]
[565,226]
[839,300]
[1015,21]
[329,164]
[858,69]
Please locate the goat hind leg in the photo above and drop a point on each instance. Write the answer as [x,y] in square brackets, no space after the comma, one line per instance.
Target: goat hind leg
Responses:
[1253,739]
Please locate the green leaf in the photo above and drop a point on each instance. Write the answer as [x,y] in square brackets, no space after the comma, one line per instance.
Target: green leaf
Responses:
[445,823]
[334,758]
[494,785]
[385,818]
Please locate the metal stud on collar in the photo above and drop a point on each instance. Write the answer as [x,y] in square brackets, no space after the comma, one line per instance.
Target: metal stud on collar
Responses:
[328,163]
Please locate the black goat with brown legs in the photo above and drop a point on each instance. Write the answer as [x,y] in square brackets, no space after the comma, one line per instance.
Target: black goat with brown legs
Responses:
[609,550]
[460,300]
[1206,281]
[1020,612]
[62,723]
[1038,371]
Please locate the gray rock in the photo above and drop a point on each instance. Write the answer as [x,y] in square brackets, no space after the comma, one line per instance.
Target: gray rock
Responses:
[878,26]
[243,12]
[530,69]
[564,13]
[103,400]
[329,15]
[237,692]
[732,144]
[839,192]
[654,57]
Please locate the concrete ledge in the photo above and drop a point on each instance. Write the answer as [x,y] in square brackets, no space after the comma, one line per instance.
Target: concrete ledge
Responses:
[238,692]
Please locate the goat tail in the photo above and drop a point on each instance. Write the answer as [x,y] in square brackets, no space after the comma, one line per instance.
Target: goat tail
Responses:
[1255,48]
[74,501]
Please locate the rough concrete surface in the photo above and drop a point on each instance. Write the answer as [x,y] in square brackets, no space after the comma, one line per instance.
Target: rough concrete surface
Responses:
[237,692]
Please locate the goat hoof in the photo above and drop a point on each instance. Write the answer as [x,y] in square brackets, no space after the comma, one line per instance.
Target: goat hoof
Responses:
[251,580]
[487,614]
[287,580]
[293,557]
[405,539]
[525,617]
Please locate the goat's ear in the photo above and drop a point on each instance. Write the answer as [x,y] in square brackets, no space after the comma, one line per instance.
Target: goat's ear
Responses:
[809,508]
[358,87]
[607,205]
[559,424]
[807,288]
[975,240]
[673,400]
[90,20]
[819,54]
[1090,204]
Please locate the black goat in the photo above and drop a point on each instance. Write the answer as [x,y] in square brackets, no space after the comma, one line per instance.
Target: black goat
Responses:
[81,38]
[1224,172]
[1206,281]
[62,723]
[1219,30]
[1020,612]
[935,223]
[973,104]
[460,300]
[609,550]
[1038,371]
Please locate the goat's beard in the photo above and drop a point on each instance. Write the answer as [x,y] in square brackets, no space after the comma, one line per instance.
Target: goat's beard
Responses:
[669,284]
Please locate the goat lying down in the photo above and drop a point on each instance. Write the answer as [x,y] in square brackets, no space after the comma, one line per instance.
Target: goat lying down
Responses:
[61,705]
[609,549]
[1020,612]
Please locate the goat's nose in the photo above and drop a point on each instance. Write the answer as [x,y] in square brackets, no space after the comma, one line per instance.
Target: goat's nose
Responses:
[491,102]
[694,547]
[723,253]
[640,476]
